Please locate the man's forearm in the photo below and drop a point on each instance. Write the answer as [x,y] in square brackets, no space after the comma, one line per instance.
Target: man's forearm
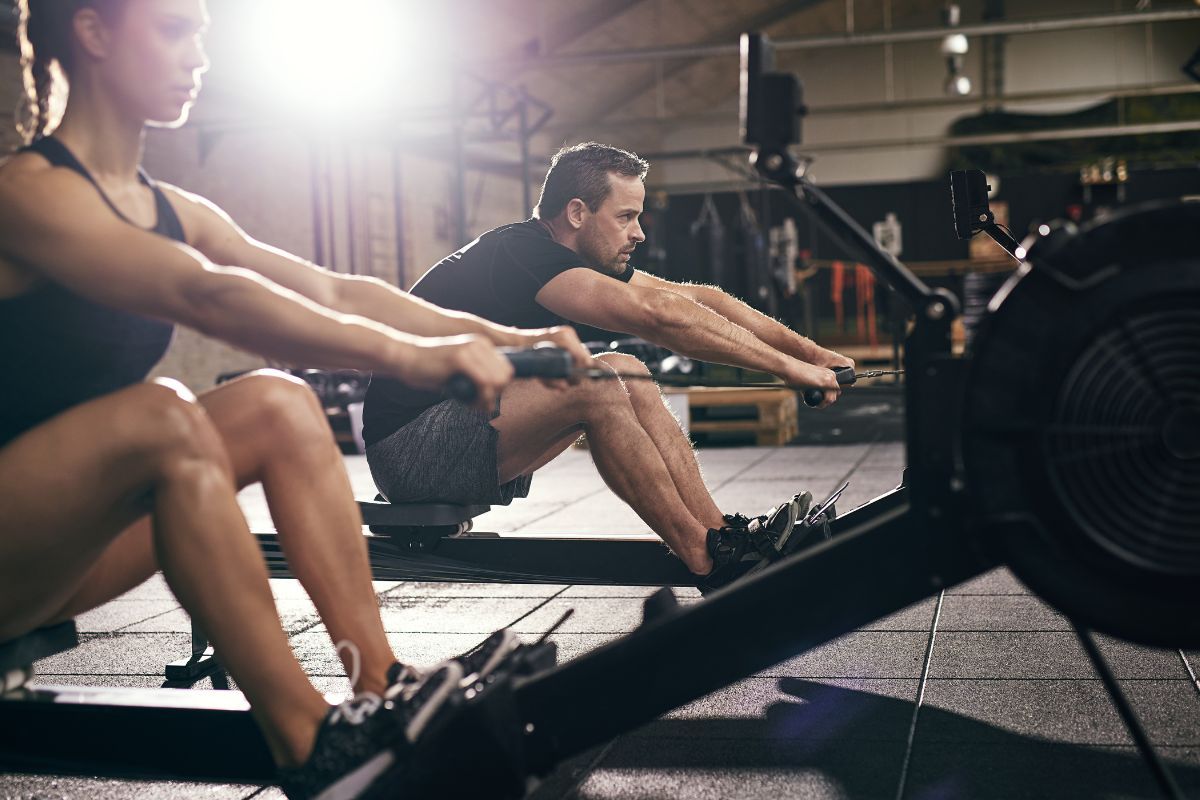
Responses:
[771,332]
[374,299]
[697,331]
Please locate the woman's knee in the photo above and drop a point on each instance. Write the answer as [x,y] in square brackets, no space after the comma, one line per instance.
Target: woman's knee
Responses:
[167,423]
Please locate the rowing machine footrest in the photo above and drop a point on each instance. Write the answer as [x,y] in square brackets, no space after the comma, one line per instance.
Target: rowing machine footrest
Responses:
[18,655]
[381,516]
[659,605]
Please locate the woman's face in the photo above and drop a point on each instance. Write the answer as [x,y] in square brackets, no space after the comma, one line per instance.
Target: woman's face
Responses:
[154,57]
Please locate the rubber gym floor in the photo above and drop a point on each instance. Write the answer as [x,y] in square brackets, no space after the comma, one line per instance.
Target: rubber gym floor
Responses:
[979,692]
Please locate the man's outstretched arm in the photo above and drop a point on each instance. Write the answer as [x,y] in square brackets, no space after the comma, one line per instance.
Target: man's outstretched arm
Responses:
[771,332]
[677,322]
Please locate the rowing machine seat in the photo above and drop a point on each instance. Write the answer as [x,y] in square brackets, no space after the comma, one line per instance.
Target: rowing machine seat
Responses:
[18,655]
[383,517]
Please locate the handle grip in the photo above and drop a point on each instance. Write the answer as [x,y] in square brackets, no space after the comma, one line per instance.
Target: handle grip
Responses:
[844,375]
[535,362]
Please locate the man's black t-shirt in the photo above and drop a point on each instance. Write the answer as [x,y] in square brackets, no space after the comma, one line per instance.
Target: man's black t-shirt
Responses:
[496,277]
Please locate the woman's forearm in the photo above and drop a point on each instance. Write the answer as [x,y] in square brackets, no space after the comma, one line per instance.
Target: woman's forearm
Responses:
[247,310]
[374,299]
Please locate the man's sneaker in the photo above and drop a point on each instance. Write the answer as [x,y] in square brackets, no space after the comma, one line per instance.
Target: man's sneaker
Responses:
[783,522]
[734,552]
[779,522]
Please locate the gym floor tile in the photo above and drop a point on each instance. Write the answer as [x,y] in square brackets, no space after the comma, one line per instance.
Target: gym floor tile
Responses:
[523,511]
[50,787]
[786,708]
[1038,654]
[573,645]
[996,581]
[122,613]
[294,616]
[592,615]
[1075,711]
[1034,768]
[756,497]
[965,612]
[682,769]
[600,512]
[862,654]
[426,649]
[119,654]
[478,590]
[154,588]
[453,614]
[917,617]
[886,454]
[642,592]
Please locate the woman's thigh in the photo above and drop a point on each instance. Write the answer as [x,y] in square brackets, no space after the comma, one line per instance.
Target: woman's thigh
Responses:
[79,486]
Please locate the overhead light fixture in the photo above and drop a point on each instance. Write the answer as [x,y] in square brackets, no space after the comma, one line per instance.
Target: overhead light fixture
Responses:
[954,47]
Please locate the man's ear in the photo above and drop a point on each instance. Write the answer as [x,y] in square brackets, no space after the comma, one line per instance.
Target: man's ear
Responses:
[91,32]
[576,211]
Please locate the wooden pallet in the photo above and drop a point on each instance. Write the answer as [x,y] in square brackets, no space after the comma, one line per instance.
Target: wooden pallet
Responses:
[775,420]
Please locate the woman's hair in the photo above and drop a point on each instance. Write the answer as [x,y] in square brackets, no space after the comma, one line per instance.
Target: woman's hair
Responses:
[582,171]
[44,31]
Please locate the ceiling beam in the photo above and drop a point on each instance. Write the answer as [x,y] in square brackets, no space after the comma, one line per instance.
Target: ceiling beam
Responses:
[623,94]
[723,47]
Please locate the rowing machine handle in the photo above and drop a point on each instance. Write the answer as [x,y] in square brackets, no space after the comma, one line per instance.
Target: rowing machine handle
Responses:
[844,375]
[534,362]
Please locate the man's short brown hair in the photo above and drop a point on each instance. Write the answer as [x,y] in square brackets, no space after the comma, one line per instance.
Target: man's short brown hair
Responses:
[582,171]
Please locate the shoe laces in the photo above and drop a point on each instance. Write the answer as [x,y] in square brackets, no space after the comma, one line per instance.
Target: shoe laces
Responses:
[356,709]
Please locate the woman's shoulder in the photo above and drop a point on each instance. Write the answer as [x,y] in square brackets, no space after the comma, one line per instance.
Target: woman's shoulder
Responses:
[23,163]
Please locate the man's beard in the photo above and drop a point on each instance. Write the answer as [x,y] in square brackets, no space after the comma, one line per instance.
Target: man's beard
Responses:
[593,255]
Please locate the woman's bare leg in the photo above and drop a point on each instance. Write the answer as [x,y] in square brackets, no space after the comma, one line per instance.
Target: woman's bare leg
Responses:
[276,433]
[73,487]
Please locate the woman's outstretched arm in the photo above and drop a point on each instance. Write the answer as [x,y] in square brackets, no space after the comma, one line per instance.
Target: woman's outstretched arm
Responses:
[216,235]
[53,223]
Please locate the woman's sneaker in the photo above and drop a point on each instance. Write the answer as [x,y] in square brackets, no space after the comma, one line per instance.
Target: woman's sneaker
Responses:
[477,663]
[360,752]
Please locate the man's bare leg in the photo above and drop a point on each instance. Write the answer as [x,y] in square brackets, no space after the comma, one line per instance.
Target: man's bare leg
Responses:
[535,419]
[663,429]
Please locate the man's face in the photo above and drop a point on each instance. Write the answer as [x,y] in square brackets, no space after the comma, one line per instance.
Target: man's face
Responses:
[610,233]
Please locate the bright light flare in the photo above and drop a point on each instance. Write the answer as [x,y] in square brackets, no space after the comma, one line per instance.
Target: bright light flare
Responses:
[348,57]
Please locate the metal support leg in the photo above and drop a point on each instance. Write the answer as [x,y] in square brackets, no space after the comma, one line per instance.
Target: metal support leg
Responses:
[1166,783]
[797,604]
[200,664]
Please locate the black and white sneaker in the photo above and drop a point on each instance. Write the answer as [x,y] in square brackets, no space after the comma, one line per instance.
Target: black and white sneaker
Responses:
[735,552]
[476,664]
[358,753]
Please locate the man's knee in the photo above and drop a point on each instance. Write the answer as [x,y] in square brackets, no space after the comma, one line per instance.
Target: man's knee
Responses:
[283,407]
[623,363]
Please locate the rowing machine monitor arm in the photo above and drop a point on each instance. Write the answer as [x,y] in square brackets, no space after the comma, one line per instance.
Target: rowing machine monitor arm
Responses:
[1075,401]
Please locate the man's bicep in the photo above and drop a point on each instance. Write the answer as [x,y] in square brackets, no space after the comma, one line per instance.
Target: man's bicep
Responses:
[586,296]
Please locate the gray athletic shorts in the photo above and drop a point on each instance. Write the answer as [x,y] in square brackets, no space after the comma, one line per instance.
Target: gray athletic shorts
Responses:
[446,455]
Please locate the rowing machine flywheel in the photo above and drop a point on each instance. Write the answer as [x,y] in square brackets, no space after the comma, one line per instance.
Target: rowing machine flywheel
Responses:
[1081,428]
